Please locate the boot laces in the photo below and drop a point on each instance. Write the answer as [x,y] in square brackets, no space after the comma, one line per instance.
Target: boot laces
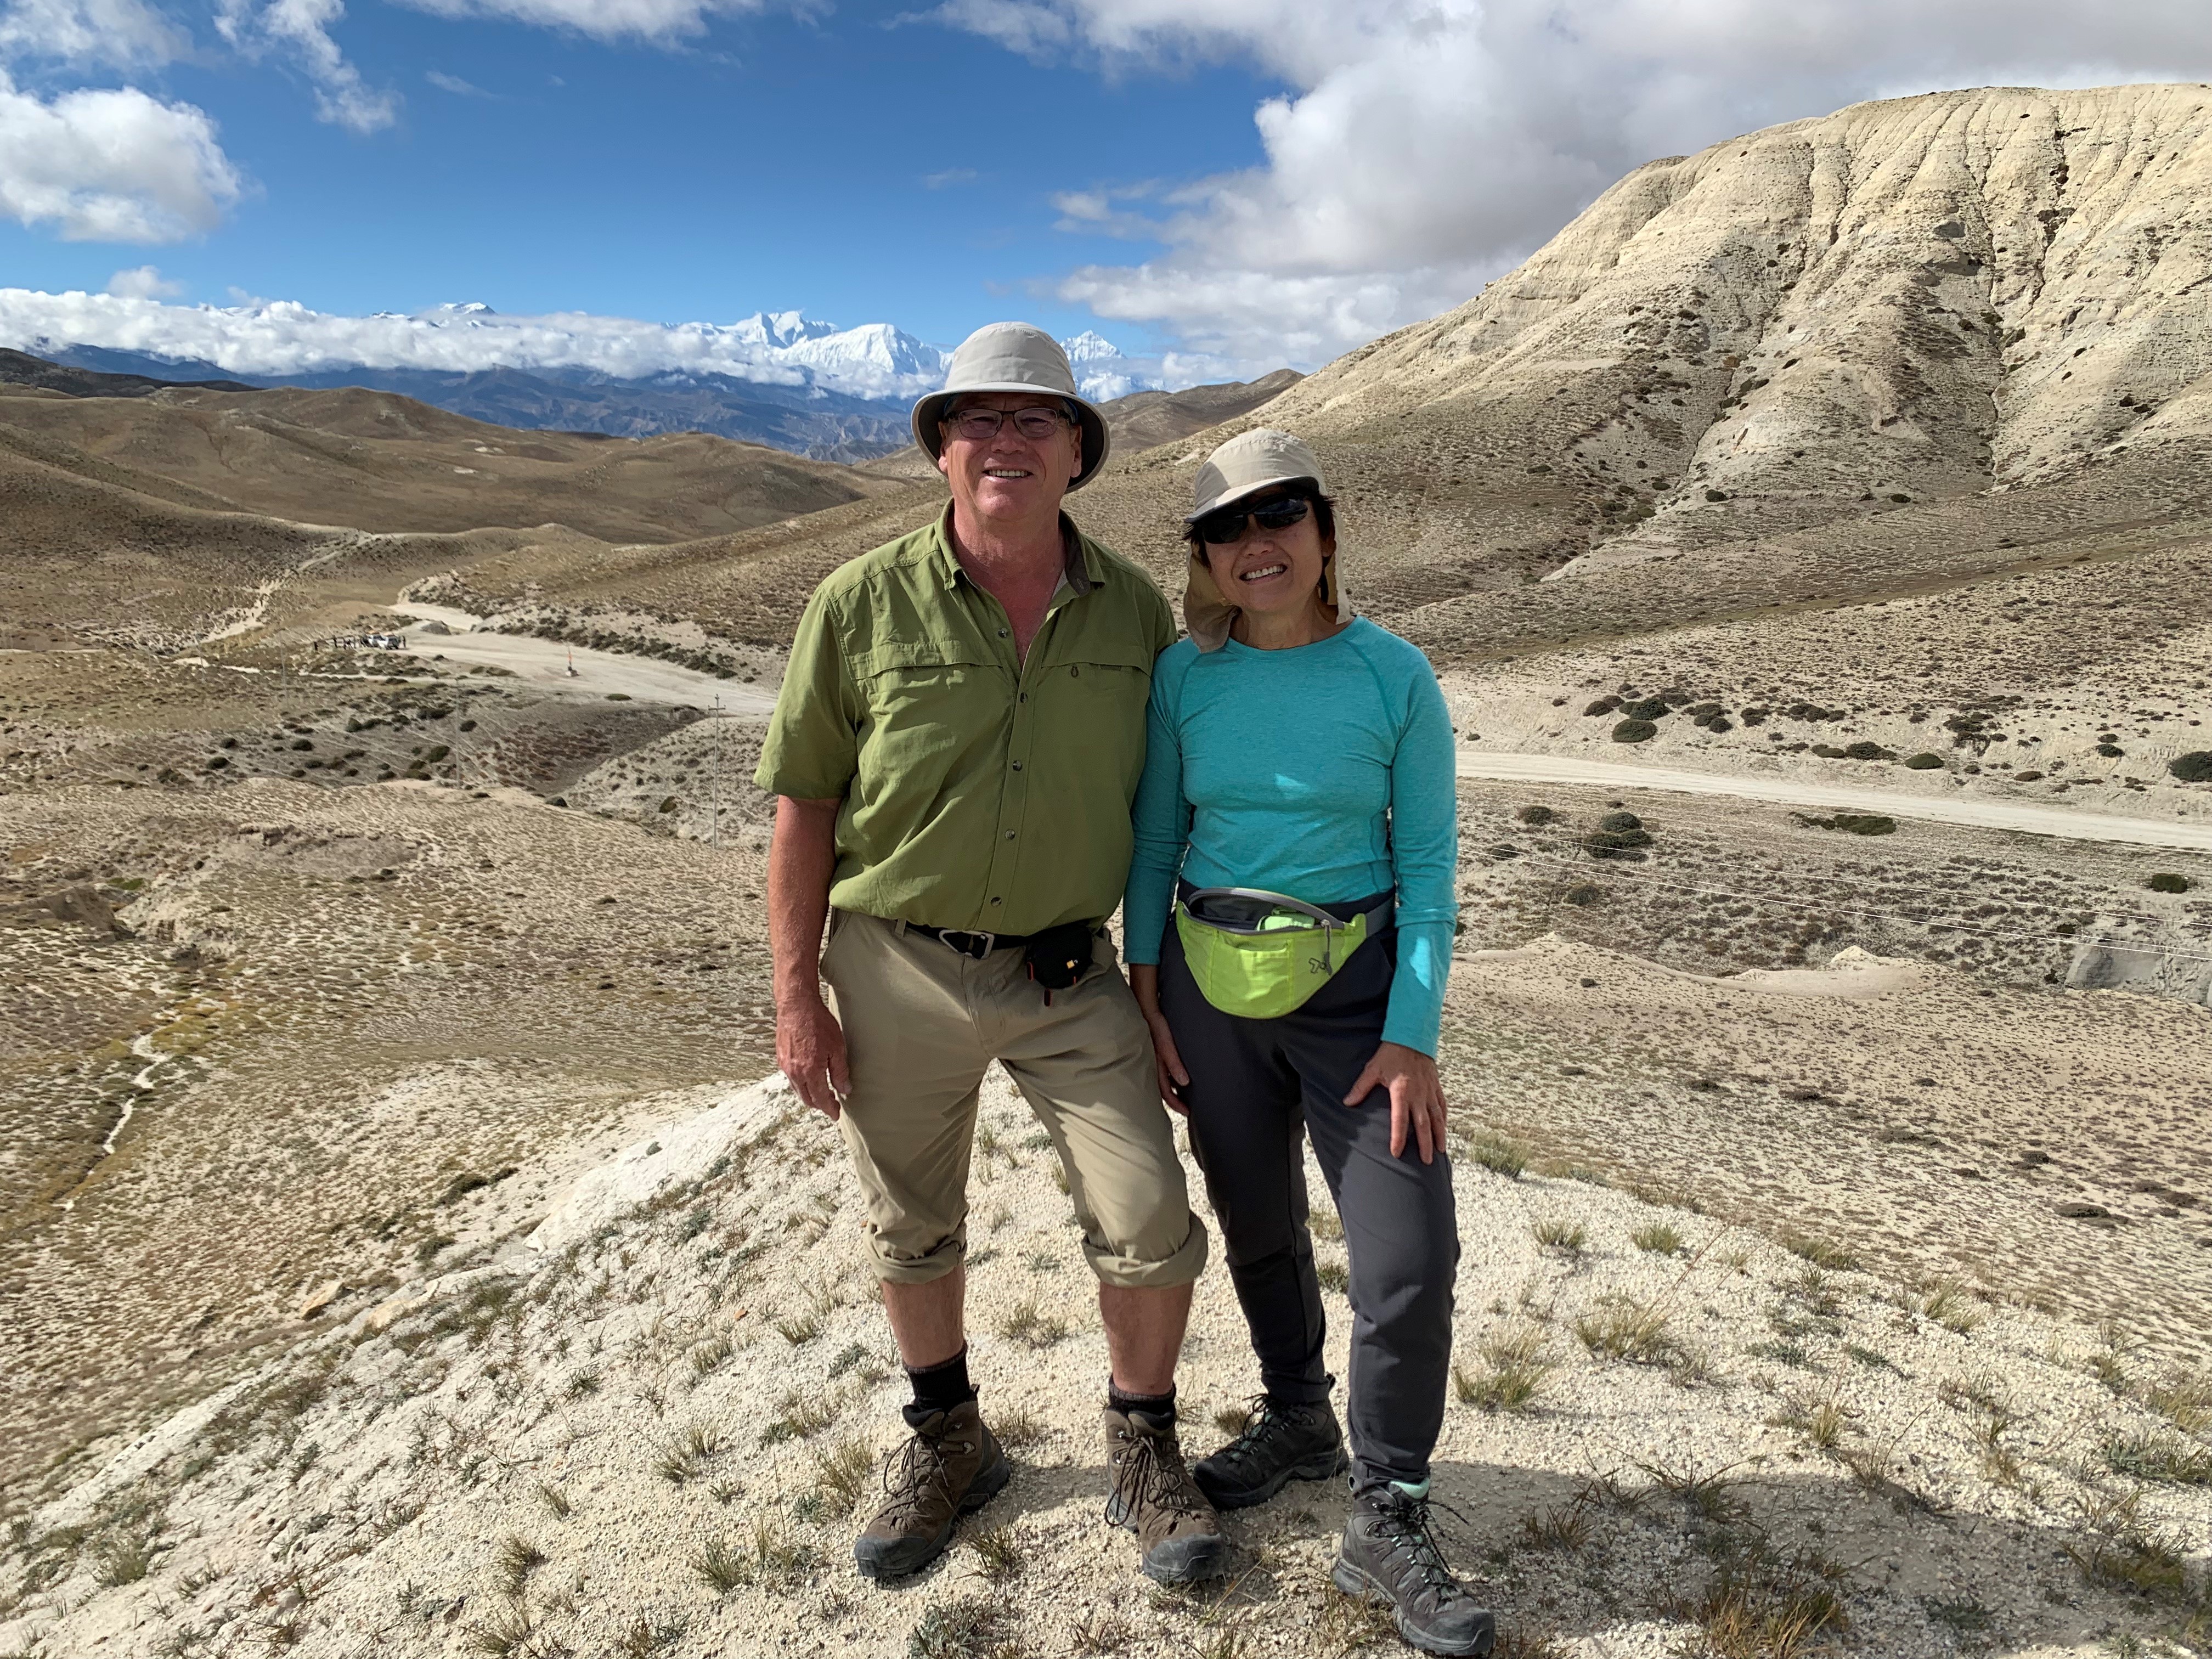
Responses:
[1151,1475]
[1404,1522]
[1263,1422]
[918,1470]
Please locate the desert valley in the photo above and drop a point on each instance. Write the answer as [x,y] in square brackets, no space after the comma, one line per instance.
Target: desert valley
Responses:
[409,1250]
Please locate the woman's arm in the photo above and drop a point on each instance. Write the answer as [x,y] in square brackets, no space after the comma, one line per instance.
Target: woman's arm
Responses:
[1425,852]
[1160,820]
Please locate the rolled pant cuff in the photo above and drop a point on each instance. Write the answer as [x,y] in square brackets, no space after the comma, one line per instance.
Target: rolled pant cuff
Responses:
[894,1267]
[1130,1273]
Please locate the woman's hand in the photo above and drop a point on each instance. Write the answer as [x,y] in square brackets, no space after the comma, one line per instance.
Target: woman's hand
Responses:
[1416,1096]
[1145,980]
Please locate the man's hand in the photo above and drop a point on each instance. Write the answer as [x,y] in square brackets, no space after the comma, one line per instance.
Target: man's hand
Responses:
[1416,1096]
[809,1044]
[810,1047]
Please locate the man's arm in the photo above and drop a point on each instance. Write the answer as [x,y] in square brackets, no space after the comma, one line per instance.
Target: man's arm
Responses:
[809,1044]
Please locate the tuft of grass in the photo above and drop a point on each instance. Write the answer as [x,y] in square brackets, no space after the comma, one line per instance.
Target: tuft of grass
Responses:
[582,1385]
[1101,1633]
[965,1628]
[1514,1370]
[505,1630]
[124,1558]
[1620,1327]
[1763,1613]
[1028,1323]
[1947,1303]
[2185,1402]
[1565,1530]
[1333,1276]
[1018,1428]
[800,1329]
[771,1557]
[643,1637]
[2160,1456]
[516,1558]
[1349,1623]
[687,1453]
[1821,1422]
[555,1501]
[852,1354]
[999,1552]
[1820,1253]
[841,1472]
[1657,1238]
[2120,1550]
[1558,1233]
[706,1356]
[801,1414]
[1499,1154]
[1325,1223]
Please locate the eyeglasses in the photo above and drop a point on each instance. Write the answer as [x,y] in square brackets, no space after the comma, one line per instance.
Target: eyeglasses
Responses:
[980,426]
[1219,529]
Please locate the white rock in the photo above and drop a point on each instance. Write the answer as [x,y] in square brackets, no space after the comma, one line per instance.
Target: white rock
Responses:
[672,1155]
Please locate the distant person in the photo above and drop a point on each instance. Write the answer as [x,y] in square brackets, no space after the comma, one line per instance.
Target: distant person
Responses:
[1289,917]
[955,746]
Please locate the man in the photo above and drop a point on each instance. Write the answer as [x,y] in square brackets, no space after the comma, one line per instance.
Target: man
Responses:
[954,749]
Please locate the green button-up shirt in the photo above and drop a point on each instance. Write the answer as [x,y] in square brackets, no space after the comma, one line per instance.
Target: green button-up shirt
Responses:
[981,790]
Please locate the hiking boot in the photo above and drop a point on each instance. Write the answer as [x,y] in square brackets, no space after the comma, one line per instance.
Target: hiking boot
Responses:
[1278,1444]
[1155,1498]
[1389,1554]
[953,1465]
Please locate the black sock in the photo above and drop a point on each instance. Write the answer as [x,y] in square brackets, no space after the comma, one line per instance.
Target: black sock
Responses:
[938,1387]
[1160,1408]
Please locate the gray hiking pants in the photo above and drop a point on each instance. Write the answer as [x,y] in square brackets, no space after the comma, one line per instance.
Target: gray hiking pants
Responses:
[1257,1088]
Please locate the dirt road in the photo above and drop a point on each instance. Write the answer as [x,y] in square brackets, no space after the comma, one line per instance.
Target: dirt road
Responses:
[1978,814]
[544,664]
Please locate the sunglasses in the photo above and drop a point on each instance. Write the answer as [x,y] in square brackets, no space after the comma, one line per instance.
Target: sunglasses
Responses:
[980,426]
[1219,529]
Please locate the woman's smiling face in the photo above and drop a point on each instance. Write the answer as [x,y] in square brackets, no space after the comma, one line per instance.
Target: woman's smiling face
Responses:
[1271,572]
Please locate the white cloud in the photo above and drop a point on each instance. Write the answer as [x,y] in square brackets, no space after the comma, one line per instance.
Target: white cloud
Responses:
[110,166]
[948,179]
[302,29]
[1423,146]
[121,34]
[144,282]
[661,21]
[284,338]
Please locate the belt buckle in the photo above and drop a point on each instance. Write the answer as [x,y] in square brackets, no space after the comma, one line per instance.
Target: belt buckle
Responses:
[978,946]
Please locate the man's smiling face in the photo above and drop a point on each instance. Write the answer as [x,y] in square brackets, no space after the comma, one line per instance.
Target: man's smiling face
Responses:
[1008,478]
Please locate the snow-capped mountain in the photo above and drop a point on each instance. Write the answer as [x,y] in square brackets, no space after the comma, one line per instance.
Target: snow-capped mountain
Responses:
[780,377]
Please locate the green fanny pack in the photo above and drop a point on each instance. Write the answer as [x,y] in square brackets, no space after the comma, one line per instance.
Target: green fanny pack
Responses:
[1261,954]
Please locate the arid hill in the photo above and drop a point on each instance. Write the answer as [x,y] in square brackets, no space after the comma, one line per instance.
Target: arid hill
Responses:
[376,461]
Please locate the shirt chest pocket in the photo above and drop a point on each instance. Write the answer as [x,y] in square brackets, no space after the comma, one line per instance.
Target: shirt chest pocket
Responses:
[928,702]
[1096,704]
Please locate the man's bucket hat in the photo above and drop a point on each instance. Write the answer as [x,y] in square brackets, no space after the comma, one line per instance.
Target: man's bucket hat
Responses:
[1012,357]
[1247,463]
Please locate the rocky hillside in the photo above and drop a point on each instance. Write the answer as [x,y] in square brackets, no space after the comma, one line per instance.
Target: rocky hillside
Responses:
[641,1412]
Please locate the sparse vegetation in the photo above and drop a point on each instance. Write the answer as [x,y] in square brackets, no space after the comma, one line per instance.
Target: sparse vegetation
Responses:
[1558,1233]
[1514,1370]
[962,1629]
[1028,1323]
[1657,1238]
[1499,1154]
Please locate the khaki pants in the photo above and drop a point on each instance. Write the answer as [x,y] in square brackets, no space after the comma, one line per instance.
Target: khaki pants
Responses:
[922,1025]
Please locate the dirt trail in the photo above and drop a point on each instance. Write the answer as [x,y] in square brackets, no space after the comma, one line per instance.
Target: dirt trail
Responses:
[1979,814]
[544,664]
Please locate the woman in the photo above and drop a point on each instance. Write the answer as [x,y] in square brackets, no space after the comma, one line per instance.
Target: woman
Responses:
[1303,756]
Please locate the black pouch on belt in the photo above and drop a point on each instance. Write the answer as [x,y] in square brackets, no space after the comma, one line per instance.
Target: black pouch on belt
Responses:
[1060,956]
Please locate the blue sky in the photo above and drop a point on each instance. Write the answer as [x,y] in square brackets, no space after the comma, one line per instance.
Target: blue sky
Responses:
[1255,181]
[854,166]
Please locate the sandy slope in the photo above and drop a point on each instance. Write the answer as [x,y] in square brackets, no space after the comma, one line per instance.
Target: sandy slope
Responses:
[648,1437]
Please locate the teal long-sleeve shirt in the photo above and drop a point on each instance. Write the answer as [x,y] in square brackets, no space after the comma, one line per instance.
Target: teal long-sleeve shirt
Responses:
[1325,772]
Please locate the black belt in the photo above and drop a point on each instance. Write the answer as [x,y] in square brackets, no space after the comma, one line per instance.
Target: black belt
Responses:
[967,942]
